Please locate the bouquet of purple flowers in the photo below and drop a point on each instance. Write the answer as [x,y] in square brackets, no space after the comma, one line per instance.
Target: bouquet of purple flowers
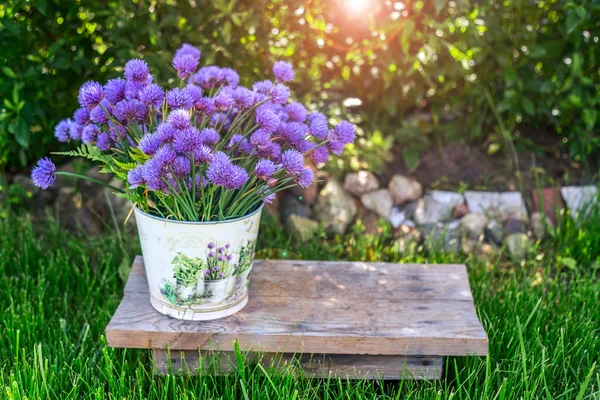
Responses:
[210,149]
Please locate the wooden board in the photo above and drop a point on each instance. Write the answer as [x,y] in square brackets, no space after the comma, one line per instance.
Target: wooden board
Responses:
[314,307]
[343,366]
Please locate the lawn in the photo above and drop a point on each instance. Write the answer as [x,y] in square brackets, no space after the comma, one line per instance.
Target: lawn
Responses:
[58,291]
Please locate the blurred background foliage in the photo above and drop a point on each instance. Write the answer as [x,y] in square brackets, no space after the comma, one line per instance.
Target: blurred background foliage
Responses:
[411,74]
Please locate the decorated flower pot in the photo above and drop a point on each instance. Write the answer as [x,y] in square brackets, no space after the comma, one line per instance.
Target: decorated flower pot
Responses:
[242,279]
[190,266]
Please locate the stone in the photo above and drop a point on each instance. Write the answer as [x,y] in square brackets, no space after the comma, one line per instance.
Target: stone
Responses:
[361,182]
[290,205]
[379,201]
[303,228]
[473,225]
[404,189]
[540,224]
[549,200]
[335,208]
[512,225]
[499,205]
[428,211]
[443,236]
[517,245]
[452,199]
[398,216]
[579,198]
[460,210]
[494,231]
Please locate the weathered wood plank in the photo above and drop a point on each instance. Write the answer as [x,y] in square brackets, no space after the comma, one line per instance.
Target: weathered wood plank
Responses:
[321,307]
[345,366]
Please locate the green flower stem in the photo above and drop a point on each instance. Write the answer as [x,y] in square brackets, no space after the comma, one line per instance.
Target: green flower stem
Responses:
[87,178]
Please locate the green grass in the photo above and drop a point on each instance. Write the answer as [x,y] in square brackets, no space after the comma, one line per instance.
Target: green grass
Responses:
[58,291]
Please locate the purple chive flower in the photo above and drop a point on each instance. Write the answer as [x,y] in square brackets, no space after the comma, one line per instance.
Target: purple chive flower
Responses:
[135,177]
[206,106]
[345,132]
[75,131]
[90,94]
[221,258]
[273,151]
[164,156]
[185,64]
[165,133]
[195,92]
[209,77]
[136,71]
[228,257]
[130,111]
[296,112]
[114,90]
[61,132]
[90,134]
[227,246]
[260,139]
[177,98]
[181,166]
[179,119]
[82,116]
[207,271]
[220,250]
[243,97]
[230,77]
[149,143]
[152,95]
[104,141]
[318,125]
[224,100]
[202,154]
[211,245]
[293,133]
[306,178]
[263,87]
[283,71]
[223,172]
[280,94]
[44,173]
[153,174]
[187,140]
[209,136]
[334,144]
[98,115]
[188,49]
[266,118]
[133,90]
[117,132]
[265,168]
[292,161]
[269,199]
[305,146]
[216,268]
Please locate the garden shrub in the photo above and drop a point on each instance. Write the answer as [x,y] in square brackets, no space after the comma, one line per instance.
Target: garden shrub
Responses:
[538,60]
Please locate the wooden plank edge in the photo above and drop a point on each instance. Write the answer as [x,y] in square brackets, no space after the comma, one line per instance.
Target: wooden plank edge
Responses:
[344,366]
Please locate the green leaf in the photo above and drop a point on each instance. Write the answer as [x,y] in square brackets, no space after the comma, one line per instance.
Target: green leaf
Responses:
[21,132]
[411,157]
[510,76]
[528,106]
[590,117]
[8,72]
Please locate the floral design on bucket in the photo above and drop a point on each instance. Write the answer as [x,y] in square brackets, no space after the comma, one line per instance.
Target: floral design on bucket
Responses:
[215,279]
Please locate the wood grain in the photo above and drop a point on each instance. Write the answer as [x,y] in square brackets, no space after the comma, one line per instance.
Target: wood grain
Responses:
[321,307]
[314,366]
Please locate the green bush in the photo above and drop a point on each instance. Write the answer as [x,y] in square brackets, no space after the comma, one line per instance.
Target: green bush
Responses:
[538,60]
